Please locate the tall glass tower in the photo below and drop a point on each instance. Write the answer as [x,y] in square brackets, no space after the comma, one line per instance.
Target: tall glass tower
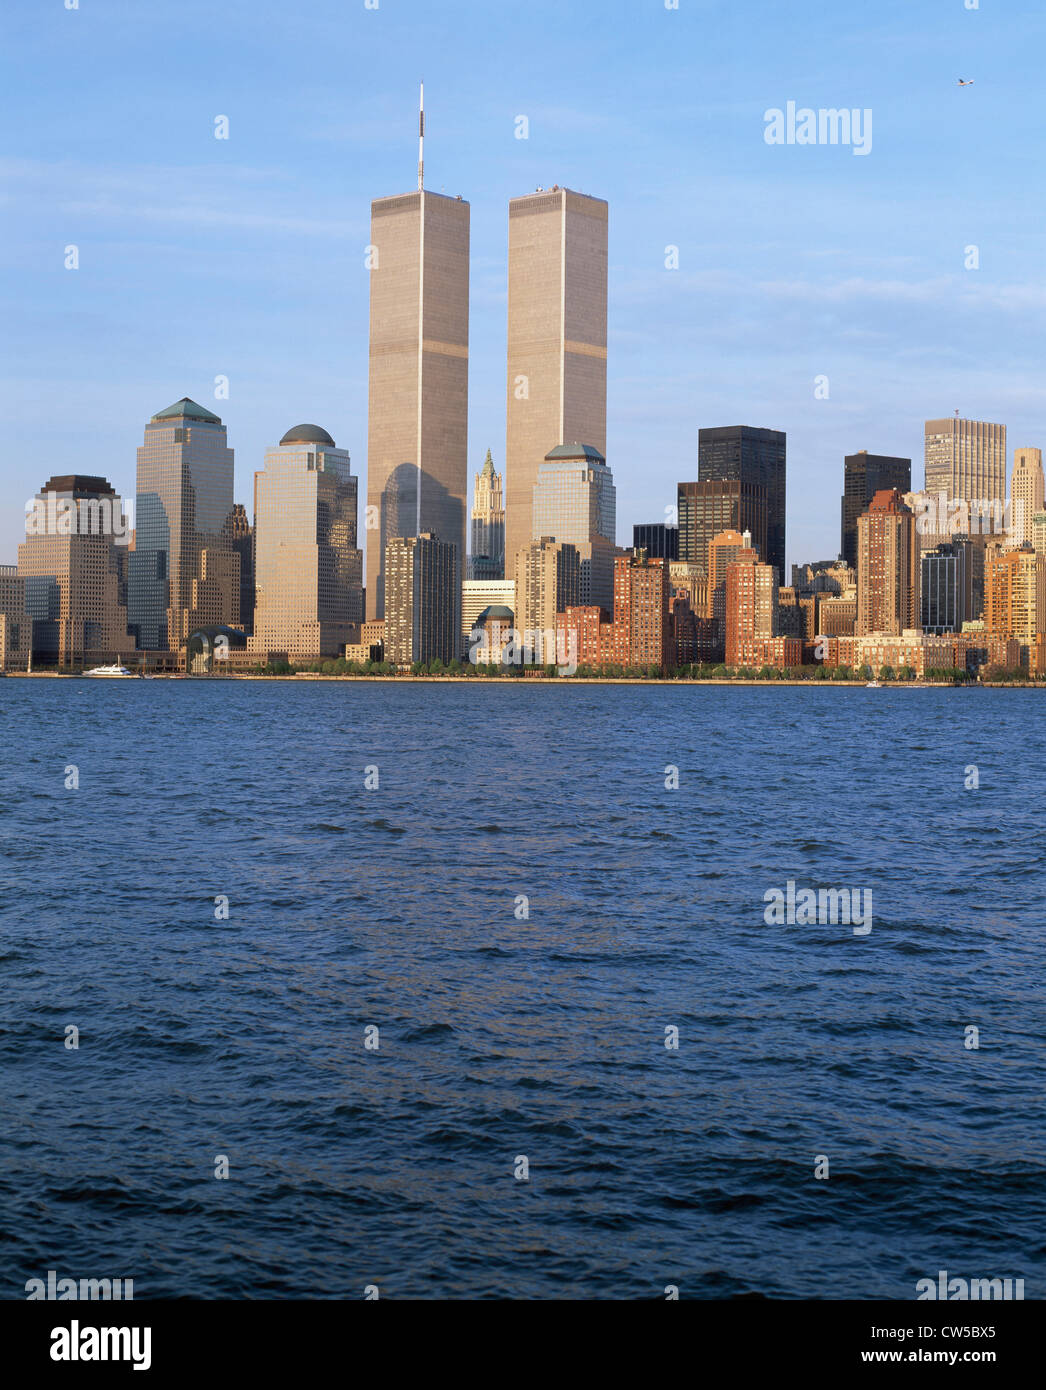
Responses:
[184,498]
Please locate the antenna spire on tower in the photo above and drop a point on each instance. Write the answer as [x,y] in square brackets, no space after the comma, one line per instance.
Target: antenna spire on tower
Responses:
[421,140]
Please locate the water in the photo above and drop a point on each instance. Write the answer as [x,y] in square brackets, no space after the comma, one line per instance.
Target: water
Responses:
[501,1037]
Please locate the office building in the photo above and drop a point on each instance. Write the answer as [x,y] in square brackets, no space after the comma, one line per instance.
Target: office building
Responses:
[74,564]
[946,585]
[864,475]
[184,499]
[417,456]
[743,454]
[548,581]
[16,628]
[239,533]
[1027,494]
[657,539]
[308,569]
[966,460]
[487,556]
[557,342]
[422,600]
[575,501]
[708,508]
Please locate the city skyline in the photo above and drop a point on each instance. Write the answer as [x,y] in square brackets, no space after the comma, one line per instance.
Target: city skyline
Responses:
[906,332]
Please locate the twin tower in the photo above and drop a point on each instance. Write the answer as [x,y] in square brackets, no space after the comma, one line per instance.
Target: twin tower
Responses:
[417,466]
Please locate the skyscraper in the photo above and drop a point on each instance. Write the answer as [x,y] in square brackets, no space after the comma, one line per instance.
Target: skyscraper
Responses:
[711,506]
[755,456]
[946,585]
[575,501]
[487,551]
[240,534]
[548,581]
[966,459]
[185,482]
[308,570]
[864,475]
[887,567]
[1027,493]
[1015,598]
[417,455]
[16,627]
[557,341]
[74,564]
[423,598]
[659,540]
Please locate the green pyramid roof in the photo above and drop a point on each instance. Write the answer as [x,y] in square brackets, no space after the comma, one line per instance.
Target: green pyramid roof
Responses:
[487,470]
[187,409]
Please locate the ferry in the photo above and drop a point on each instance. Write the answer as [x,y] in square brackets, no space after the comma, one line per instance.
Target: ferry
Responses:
[111,671]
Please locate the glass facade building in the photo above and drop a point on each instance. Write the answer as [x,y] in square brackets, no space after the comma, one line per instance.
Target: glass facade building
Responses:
[864,475]
[184,499]
[743,454]
[308,573]
[708,508]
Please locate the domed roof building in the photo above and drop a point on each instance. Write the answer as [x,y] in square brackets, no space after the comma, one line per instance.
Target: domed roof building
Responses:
[308,434]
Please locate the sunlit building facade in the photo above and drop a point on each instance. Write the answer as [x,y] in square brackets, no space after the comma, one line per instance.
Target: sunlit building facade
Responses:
[74,565]
[308,569]
[184,499]
[557,342]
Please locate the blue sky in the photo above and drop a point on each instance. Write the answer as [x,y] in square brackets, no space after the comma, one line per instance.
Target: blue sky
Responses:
[245,257]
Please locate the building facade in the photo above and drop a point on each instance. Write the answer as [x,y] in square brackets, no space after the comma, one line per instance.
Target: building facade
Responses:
[308,569]
[887,567]
[966,459]
[16,628]
[659,540]
[864,475]
[1027,494]
[557,341]
[708,508]
[422,600]
[548,581]
[1015,599]
[741,453]
[184,501]
[73,562]
[417,456]
[478,595]
[487,555]
[750,608]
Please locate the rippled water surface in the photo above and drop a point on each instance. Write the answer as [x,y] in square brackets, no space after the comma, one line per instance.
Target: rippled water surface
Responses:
[500,1037]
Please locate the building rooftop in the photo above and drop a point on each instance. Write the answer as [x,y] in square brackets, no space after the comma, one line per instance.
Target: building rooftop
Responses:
[576,451]
[187,409]
[79,485]
[308,434]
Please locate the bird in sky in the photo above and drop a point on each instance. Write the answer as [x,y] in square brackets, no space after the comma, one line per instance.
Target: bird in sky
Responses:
[964,83]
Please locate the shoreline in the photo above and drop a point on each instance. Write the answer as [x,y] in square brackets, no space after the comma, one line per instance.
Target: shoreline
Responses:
[516,681]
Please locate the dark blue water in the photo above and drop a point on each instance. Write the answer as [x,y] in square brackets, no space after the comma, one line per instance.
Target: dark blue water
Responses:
[501,1037]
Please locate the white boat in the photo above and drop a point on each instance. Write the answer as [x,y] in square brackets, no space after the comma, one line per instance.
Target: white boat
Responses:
[110,671]
[869,685]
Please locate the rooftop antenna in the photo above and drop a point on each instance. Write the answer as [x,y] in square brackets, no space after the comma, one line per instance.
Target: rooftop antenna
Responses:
[421,141]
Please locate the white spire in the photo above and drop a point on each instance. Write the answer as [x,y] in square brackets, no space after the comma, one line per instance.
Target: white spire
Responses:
[421,140]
